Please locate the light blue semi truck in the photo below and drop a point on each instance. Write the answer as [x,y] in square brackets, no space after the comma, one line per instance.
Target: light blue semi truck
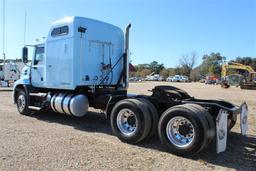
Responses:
[84,63]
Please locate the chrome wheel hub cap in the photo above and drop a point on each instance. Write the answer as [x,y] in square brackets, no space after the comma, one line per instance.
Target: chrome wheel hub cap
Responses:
[180,131]
[21,102]
[127,122]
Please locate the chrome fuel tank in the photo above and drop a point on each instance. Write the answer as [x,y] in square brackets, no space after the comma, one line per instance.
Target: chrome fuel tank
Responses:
[76,105]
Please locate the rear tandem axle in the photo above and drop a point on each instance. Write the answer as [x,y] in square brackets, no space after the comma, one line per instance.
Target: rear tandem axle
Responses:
[185,125]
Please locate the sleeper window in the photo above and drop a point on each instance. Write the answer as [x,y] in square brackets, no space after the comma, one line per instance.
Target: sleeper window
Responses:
[59,31]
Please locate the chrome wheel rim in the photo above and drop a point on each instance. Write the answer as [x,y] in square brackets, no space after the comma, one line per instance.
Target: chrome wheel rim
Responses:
[180,131]
[127,122]
[21,102]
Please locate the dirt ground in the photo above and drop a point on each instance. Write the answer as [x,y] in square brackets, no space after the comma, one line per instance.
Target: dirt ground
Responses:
[51,141]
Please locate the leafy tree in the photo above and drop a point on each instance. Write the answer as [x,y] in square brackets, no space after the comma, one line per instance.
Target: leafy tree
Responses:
[132,74]
[156,67]
[164,73]
[144,72]
[212,64]
[140,67]
[171,71]
[178,70]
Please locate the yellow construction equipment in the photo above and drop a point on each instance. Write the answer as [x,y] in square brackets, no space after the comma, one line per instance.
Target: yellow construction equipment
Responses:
[246,74]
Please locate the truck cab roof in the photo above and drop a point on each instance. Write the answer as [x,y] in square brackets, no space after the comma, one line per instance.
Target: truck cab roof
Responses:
[68,23]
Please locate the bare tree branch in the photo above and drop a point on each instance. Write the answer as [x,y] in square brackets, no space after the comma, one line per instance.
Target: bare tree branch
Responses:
[187,63]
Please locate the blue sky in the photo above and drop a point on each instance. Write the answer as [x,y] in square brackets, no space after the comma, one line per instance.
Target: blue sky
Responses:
[162,30]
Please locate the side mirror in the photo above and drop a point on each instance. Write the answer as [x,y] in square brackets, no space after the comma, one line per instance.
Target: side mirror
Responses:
[25,54]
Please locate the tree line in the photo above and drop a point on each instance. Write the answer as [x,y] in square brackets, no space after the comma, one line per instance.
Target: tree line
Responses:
[211,65]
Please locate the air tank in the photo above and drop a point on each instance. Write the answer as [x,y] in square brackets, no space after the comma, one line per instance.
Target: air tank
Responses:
[76,105]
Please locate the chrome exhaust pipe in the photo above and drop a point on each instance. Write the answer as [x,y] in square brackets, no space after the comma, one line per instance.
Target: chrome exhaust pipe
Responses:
[126,57]
[127,32]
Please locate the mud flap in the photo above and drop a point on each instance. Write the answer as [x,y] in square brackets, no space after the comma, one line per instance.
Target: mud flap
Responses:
[244,119]
[221,131]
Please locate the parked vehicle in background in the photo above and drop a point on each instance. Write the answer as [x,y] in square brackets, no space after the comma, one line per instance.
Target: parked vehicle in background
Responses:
[1,72]
[177,78]
[202,80]
[209,81]
[212,80]
[136,79]
[10,71]
[218,81]
[132,79]
[184,79]
[169,79]
[244,73]
[161,78]
[154,77]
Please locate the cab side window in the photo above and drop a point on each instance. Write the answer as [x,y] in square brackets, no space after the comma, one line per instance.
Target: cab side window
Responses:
[39,56]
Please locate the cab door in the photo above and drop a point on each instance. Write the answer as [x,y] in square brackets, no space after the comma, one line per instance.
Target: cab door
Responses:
[38,65]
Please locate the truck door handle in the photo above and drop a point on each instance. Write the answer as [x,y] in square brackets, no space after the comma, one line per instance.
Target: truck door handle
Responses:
[49,66]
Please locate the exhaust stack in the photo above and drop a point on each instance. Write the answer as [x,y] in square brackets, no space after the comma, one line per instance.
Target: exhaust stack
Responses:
[126,57]
[127,32]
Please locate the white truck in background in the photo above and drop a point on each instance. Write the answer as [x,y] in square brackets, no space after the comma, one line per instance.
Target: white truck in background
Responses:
[154,77]
[10,71]
[84,63]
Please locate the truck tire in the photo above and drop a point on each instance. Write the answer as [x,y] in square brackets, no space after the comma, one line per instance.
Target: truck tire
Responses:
[130,121]
[22,103]
[154,116]
[182,130]
[205,117]
[146,113]
[211,131]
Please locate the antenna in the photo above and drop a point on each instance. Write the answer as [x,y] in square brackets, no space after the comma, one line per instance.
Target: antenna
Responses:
[25,29]
[4,31]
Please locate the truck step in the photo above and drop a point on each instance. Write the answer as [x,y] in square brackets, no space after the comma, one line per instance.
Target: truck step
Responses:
[38,94]
[34,108]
